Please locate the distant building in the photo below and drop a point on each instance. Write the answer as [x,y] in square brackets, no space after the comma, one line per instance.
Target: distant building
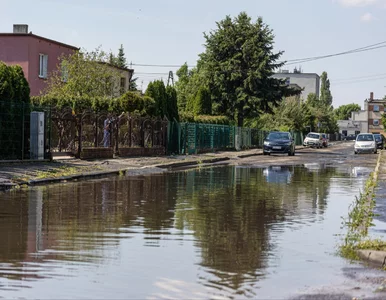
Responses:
[367,120]
[375,109]
[309,82]
[38,56]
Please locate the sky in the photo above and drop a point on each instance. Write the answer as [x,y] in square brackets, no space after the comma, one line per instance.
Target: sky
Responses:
[170,32]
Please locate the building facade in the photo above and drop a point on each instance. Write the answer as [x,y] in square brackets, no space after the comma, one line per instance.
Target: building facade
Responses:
[38,56]
[309,82]
[367,120]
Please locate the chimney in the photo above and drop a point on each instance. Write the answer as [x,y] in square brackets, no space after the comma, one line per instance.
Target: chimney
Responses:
[20,28]
[371,96]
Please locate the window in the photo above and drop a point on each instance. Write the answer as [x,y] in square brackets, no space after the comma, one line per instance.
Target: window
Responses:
[384,108]
[376,108]
[43,62]
[123,85]
[64,72]
[376,122]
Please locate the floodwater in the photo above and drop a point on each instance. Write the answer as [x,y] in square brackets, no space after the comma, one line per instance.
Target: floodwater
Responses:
[219,233]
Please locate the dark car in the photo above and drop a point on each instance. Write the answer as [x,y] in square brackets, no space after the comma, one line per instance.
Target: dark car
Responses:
[380,140]
[350,137]
[279,142]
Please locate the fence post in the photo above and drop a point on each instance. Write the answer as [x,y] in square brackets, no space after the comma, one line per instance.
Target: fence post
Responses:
[22,132]
[79,135]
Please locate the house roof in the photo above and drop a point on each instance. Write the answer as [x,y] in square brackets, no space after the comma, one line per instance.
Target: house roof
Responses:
[39,37]
[120,68]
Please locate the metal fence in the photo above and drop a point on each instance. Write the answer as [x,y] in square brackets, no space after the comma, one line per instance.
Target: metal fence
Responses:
[192,138]
[71,133]
[15,130]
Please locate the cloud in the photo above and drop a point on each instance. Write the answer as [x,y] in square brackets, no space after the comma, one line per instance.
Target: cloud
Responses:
[358,3]
[367,17]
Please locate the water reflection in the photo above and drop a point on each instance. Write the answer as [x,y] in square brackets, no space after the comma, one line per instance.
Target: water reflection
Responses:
[225,214]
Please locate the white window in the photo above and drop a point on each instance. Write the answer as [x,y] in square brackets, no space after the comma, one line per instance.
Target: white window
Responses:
[64,72]
[376,122]
[376,108]
[43,63]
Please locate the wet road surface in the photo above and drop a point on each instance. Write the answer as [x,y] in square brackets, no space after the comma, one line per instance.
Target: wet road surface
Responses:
[265,228]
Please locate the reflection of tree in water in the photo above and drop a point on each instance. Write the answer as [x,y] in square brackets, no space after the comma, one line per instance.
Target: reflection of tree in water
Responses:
[233,209]
[81,222]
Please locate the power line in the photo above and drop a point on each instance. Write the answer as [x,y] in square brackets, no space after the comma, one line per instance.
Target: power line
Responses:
[358,77]
[290,61]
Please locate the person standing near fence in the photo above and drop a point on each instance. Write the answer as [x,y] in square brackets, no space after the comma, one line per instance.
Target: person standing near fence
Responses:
[107,128]
[107,131]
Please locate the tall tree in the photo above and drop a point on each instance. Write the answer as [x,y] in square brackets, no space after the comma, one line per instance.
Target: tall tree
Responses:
[121,59]
[239,62]
[325,93]
[157,91]
[203,102]
[133,84]
[343,112]
[171,104]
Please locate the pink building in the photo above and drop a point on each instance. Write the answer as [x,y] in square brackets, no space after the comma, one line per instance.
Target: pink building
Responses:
[38,56]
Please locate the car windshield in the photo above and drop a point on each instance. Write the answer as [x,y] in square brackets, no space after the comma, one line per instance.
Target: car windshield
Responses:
[278,136]
[313,135]
[323,135]
[365,138]
[378,137]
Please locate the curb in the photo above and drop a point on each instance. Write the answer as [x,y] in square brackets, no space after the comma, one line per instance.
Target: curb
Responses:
[27,161]
[192,163]
[377,258]
[36,182]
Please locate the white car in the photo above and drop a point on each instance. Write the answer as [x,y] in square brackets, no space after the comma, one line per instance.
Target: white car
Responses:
[365,143]
[313,139]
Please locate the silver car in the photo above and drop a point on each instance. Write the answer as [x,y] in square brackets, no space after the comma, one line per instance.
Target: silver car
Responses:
[365,143]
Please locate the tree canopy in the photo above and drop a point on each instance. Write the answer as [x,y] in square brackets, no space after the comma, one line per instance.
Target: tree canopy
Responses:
[84,74]
[325,93]
[238,63]
[13,84]
[165,99]
[343,112]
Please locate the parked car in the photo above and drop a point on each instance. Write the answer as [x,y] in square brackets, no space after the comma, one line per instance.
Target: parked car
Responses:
[324,140]
[313,139]
[365,143]
[279,142]
[350,137]
[380,140]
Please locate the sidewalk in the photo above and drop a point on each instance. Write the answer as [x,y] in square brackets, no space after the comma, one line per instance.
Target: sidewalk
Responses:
[16,173]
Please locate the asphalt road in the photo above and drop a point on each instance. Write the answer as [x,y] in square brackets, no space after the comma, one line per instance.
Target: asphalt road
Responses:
[338,153]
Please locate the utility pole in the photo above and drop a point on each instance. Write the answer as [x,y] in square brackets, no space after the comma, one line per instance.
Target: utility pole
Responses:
[171,78]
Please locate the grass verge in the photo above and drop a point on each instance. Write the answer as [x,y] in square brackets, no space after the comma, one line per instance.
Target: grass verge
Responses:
[359,220]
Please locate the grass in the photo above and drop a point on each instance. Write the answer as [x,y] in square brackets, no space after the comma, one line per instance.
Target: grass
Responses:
[358,222]
[61,171]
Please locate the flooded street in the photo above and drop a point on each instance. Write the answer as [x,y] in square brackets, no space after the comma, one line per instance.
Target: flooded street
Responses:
[221,233]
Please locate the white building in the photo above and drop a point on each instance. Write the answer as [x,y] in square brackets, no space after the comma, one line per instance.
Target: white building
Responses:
[309,82]
[358,123]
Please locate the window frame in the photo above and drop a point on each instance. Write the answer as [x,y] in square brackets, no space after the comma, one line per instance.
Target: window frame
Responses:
[43,65]
[376,122]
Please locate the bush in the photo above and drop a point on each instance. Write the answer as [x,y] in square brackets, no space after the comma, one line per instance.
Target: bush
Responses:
[13,85]
[129,102]
[203,102]
[190,118]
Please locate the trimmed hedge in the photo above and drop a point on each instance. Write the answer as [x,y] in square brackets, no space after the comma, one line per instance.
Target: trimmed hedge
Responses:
[131,102]
[191,118]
